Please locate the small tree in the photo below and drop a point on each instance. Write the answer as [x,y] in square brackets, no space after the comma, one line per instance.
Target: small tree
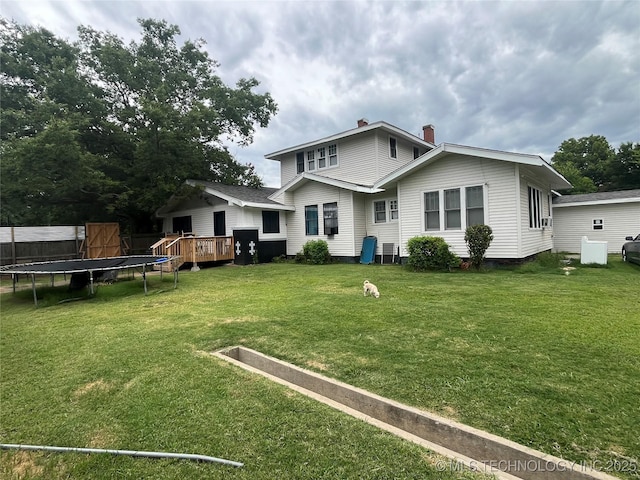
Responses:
[430,253]
[478,239]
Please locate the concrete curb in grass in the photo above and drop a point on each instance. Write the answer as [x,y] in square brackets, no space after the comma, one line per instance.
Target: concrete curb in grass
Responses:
[464,445]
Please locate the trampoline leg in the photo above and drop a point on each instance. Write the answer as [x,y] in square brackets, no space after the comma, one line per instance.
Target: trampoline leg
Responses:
[52,280]
[175,278]
[144,279]
[91,282]
[13,279]
[33,285]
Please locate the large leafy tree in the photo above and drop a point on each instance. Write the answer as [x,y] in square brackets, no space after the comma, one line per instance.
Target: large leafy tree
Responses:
[591,164]
[140,118]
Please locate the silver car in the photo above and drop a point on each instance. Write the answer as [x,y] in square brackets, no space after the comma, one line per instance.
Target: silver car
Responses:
[631,250]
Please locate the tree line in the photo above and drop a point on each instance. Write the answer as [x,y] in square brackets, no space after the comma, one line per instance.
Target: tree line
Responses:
[591,164]
[100,130]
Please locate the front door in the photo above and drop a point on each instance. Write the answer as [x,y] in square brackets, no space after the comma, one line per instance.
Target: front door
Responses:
[219,224]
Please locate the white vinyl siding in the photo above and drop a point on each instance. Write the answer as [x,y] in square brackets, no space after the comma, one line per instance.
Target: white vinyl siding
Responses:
[498,180]
[571,223]
[313,193]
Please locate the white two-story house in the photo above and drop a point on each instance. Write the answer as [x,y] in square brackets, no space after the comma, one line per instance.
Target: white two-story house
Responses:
[381,181]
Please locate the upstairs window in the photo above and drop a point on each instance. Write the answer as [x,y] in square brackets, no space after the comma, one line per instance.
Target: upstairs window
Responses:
[270,221]
[416,152]
[322,157]
[330,214]
[311,220]
[393,147]
[535,207]
[333,155]
[299,162]
[311,160]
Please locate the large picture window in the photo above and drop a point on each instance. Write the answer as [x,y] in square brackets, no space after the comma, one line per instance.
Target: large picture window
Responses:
[330,214]
[270,221]
[311,220]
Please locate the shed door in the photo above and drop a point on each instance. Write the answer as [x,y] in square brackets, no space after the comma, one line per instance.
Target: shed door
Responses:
[219,224]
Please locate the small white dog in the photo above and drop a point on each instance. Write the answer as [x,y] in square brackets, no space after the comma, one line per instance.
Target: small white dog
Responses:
[371,289]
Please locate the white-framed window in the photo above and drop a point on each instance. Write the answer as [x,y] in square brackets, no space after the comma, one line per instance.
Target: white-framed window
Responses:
[432,211]
[393,147]
[311,160]
[445,208]
[322,157]
[385,210]
[452,220]
[311,220]
[333,155]
[598,224]
[299,162]
[330,215]
[393,209]
[535,207]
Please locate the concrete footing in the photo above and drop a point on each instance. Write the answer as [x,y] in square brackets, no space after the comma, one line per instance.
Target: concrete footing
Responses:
[476,449]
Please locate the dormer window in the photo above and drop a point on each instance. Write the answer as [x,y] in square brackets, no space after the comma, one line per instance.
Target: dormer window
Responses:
[393,147]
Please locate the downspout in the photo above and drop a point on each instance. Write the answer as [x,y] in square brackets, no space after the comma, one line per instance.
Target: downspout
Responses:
[132,453]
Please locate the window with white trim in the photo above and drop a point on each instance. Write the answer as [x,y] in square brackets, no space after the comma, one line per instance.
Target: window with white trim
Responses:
[322,157]
[299,162]
[385,210]
[535,207]
[393,147]
[330,214]
[452,219]
[333,155]
[311,160]
[445,207]
[475,205]
[311,220]
[432,210]
[598,224]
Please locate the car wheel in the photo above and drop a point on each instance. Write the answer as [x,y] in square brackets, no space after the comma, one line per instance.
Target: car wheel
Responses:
[624,254]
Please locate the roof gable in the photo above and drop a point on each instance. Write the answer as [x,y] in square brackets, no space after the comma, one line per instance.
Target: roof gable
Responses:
[444,150]
[384,126]
[306,177]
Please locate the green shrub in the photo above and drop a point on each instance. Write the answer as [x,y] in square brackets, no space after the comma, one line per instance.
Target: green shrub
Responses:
[430,253]
[478,239]
[315,252]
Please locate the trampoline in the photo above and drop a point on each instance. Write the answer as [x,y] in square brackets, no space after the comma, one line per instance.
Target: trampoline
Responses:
[86,266]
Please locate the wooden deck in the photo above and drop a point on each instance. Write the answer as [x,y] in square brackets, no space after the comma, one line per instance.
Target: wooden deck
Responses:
[193,249]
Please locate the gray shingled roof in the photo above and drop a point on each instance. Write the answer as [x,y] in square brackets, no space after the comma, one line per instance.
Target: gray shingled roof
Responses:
[241,192]
[596,197]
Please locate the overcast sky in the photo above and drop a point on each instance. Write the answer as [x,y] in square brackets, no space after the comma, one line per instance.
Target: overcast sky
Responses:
[515,76]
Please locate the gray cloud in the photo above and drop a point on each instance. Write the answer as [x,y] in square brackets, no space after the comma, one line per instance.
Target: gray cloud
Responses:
[520,76]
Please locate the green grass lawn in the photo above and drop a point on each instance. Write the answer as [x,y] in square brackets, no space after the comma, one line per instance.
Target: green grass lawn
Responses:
[547,360]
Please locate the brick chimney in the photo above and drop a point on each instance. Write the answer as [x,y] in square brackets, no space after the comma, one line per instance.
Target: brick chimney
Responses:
[363,122]
[429,134]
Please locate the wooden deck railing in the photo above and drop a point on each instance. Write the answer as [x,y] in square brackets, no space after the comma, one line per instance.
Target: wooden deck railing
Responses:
[192,249]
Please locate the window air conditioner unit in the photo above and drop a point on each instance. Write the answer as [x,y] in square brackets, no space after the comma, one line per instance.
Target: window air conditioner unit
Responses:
[547,222]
